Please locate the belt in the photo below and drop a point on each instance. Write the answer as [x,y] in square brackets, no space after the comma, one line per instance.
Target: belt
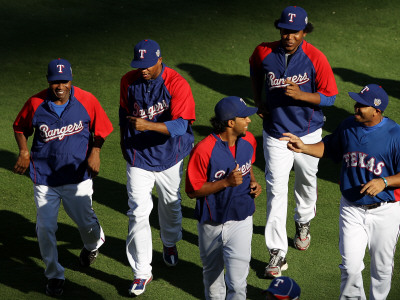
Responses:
[375,205]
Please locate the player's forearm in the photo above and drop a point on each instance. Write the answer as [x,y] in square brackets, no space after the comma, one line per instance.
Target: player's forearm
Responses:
[158,127]
[98,143]
[316,150]
[22,142]
[393,181]
[313,98]
[209,188]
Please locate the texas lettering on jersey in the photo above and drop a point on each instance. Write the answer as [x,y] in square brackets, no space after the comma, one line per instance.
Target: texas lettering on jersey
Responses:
[280,82]
[150,112]
[59,133]
[245,169]
[359,159]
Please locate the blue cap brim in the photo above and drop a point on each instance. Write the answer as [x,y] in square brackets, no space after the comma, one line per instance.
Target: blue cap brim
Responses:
[143,64]
[247,112]
[356,97]
[59,78]
[290,27]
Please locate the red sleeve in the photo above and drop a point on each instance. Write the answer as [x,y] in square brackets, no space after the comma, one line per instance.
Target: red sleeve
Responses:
[182,102]
[259,54]
[252,140]
[126,81]
[100,124]
[23,122]
[196,173]
[324,78]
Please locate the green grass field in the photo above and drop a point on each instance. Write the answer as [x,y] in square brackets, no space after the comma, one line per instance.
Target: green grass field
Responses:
[209,43]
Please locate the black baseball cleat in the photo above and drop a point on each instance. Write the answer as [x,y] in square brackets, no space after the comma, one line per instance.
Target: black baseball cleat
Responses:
[86,258]
[54,287]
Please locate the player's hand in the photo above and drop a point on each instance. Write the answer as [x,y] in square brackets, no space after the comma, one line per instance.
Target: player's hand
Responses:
[373,187]
[255,189]
[138,123]
[293,90]
[294,142]
[22,163]
[235,177]
[93,167]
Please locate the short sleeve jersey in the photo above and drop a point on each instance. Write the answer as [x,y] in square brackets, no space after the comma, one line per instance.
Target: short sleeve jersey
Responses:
[212,160]
[61,144]
[365,155]
[166,98]
[309,69]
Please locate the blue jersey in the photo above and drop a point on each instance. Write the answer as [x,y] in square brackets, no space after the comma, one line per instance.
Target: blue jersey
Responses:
[166,98]
[62,144]
[309,69]
[365,153]
[212,160]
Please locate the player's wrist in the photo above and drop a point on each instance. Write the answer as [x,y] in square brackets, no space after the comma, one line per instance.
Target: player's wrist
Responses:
[385,181]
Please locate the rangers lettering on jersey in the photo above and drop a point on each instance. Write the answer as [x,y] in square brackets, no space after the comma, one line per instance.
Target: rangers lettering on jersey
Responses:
[280,82]
[245,169]
[358,159]
[59,133]
[152,111]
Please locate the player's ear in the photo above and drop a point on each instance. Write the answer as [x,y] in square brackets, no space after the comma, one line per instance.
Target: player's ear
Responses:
[231,123]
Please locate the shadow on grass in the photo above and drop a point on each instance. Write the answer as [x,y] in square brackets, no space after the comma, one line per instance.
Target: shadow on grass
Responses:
[18,254]
[226,84]
[392,87]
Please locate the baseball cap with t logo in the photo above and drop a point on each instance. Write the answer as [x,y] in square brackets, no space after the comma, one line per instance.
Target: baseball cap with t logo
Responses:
[146,54]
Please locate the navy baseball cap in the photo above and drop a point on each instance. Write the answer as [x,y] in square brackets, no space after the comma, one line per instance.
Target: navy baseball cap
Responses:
[59,69]
[284,288]
[230,107]
[146,54]
[372,95]
[293,18]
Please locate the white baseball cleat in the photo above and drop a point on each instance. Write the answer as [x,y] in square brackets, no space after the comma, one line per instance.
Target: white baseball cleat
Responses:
[138,286]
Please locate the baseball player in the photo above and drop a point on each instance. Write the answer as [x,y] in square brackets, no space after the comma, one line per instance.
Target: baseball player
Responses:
[69,128]
[283,288]
[156,112]
[368,147]
[220,177]
[298,83]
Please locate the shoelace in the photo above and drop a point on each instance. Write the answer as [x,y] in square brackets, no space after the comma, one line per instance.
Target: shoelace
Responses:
[303,232]
[171,251]
[138,282]
[275,260]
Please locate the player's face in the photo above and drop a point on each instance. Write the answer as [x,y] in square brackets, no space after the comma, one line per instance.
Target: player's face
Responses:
[364,114]
[291,39]
[152,72]
[240,126]
[60,90]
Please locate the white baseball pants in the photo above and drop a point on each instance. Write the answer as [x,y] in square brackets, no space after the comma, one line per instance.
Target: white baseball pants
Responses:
[279,161]
[77,202]
[377,229]
[140,183]
[225,245]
